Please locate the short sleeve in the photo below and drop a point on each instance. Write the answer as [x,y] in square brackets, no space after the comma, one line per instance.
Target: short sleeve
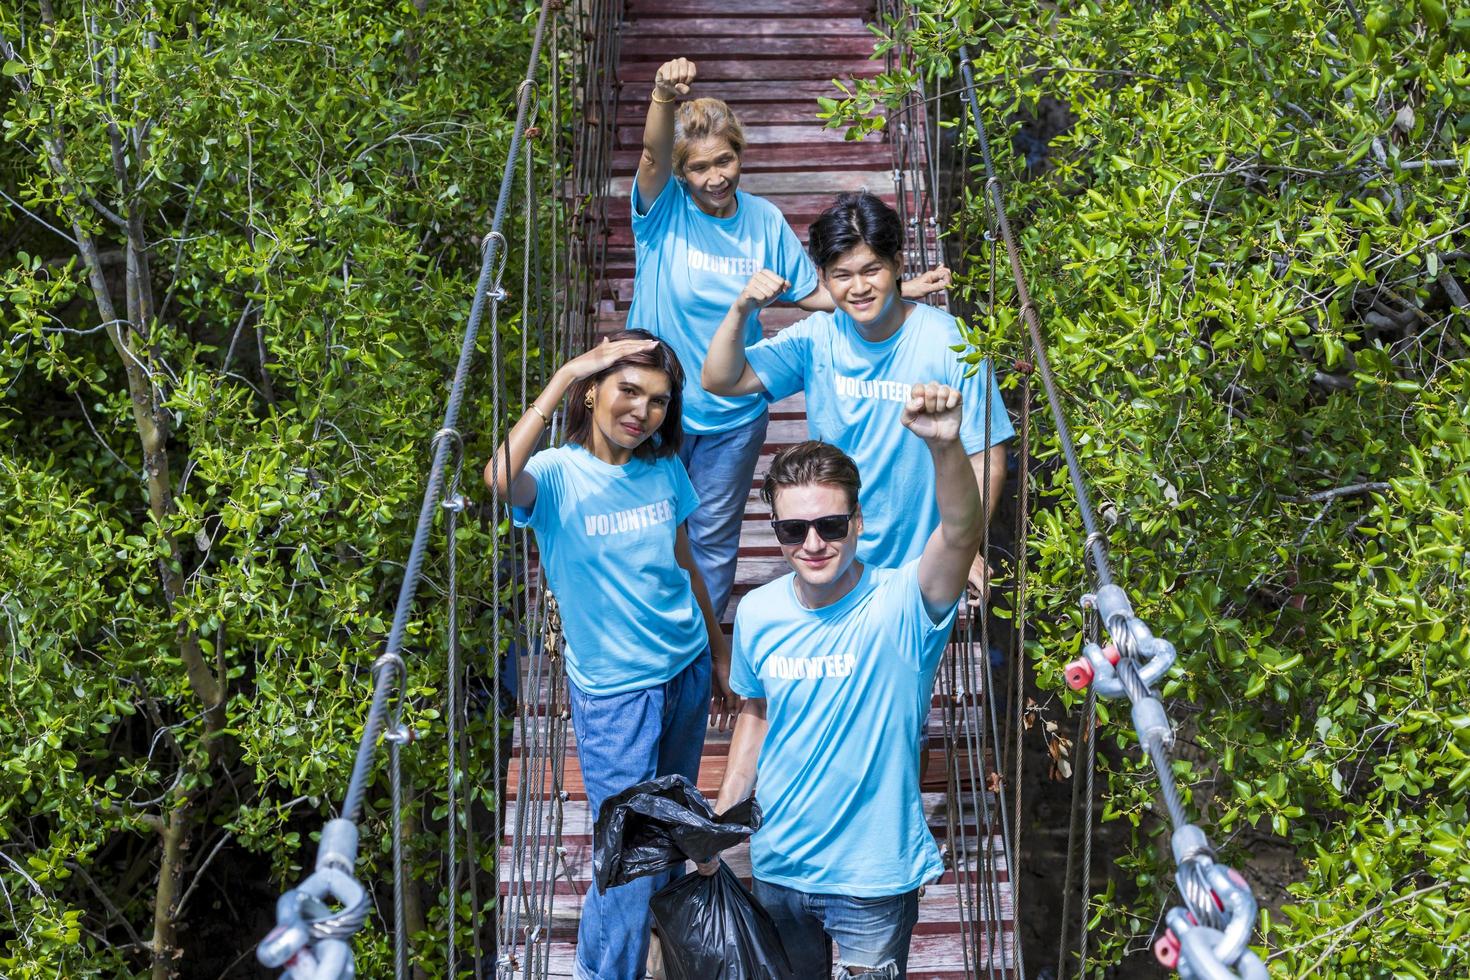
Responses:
[924,636]
[650,218]
[685,497]
[978,390]
[783,362]
[544,469]
[743,678]
[792,262]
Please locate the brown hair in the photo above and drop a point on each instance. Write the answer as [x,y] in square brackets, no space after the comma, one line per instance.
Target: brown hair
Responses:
[811,462]
[699,119]
[666,439]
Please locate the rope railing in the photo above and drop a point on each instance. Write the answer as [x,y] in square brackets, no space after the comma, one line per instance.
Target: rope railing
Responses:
[978,808]
[1208,938]
[534,855]
[317,920]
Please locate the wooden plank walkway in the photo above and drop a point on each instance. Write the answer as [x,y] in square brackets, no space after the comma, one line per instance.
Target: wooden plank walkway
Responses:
[770,59]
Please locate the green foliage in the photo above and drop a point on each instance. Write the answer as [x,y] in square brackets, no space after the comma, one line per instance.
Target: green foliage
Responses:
[307,184]
[1249,247]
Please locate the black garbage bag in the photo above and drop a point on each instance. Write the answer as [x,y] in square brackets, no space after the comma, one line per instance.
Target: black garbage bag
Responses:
[661,823]
[712,928]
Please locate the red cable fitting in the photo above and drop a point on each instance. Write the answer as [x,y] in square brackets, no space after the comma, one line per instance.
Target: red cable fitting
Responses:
[1023,366]
[1079,672]
[1166,949]
[532,132]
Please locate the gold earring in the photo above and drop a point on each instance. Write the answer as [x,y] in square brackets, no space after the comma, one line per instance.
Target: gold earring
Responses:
[588,400]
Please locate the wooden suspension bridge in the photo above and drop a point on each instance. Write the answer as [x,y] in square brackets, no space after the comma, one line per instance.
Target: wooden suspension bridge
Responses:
[770,60]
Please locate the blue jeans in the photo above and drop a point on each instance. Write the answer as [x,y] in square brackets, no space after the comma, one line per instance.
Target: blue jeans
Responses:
[625,739]
[872,934]
[720,466]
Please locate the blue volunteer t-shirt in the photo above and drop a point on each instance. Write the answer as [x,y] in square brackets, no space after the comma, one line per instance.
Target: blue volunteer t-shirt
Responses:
[607,537]
[847,690]
[691,268]
[855,394]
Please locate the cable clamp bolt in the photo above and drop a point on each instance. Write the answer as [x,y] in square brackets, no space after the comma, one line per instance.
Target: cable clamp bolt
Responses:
[402,735]
[456,502]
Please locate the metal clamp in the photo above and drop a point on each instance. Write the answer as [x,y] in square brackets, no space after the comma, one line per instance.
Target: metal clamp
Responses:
[311,939]
[1131,637]
[1200,949]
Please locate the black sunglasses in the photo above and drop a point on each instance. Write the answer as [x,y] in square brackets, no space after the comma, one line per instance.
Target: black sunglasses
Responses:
[833,527]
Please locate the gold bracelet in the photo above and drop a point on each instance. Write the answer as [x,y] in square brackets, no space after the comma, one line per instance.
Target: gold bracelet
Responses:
[655,97]
[544,420]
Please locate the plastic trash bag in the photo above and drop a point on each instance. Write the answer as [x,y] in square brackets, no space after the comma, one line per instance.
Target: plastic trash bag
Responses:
[659,824]
[712,928]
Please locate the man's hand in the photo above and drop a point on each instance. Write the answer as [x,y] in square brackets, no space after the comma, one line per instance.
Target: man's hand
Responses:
[674,78]
[933,412]
[933,281]
[708,867]
[761,291]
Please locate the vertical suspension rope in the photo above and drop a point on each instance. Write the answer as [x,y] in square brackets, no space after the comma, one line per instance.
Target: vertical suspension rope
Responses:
[1018,650]
[400,882]
[453,504]
[1082,749]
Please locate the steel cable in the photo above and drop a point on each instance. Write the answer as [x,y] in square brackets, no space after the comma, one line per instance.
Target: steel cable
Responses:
[1126,676]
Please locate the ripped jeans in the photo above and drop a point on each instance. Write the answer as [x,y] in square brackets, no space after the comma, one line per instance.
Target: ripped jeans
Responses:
[872,934]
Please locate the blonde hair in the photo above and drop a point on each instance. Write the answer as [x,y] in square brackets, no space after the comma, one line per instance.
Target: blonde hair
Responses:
[700,119]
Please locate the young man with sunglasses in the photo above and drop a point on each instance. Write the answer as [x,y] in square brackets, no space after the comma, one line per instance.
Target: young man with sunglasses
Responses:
[836,661]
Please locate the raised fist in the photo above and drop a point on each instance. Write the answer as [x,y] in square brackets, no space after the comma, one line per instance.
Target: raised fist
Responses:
[674,78]
[761,291]
[933,412]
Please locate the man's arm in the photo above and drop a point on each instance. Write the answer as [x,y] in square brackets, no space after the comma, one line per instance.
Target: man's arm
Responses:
[989,463]
[726,371]
[672,79]
[745,749]
[933,414]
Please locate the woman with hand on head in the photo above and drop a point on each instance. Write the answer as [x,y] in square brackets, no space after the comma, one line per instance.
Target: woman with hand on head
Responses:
[698,239]
[608,510]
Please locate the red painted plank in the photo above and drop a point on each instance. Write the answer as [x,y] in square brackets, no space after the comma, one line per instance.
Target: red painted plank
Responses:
[631,111]
[750,8]
[759,48]
[639,28]
[746,70]
[810,131]
[738,91]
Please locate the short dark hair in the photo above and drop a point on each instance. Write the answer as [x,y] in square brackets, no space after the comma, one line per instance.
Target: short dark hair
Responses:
[666,439]
[855,219]
[811,462]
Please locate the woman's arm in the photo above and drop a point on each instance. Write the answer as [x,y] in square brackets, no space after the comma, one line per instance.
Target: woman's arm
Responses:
[672,79]
[724,704]
[506,471]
